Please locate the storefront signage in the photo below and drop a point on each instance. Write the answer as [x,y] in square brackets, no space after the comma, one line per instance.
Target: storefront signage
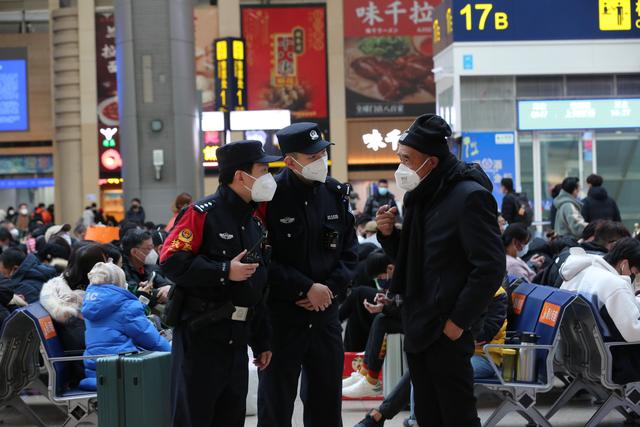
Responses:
[388,46]
[495,153]
[508,20]
[287,59]
[579,114]
[108,117]
[375,141]
[372,142]
[230,74]
[26,183]
[14,110]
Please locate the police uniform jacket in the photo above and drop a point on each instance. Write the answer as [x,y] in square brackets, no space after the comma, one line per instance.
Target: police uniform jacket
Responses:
[197,256]
[311,230]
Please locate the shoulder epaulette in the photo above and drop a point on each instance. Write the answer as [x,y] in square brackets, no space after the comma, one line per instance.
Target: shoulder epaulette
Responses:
[338,187]
[204,205]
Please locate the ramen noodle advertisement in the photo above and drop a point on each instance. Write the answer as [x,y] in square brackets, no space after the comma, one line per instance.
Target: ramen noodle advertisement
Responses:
[286,59]
[388,57]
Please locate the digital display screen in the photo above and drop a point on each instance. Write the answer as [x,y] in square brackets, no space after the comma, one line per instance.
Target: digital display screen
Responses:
[14,108]
[579,114]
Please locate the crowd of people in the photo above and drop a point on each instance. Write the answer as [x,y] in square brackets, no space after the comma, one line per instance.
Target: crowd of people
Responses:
[438,273]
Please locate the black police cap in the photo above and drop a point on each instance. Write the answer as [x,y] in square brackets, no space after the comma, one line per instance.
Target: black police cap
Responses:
[239,153]
[303,137]
[428,134]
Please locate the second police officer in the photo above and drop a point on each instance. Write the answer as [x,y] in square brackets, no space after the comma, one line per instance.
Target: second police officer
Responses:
[311,231]
[215,256]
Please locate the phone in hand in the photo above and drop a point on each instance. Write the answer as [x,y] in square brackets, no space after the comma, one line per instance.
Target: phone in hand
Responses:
[253,256]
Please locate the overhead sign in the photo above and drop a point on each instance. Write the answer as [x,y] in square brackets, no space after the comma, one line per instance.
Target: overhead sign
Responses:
[579,114]
[495,153]
[14,110]
[230,74]
[508,20]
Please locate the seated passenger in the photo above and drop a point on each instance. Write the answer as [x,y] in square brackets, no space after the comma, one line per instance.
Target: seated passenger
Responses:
[115,320]
[516,244]
[26,273]
[610,280]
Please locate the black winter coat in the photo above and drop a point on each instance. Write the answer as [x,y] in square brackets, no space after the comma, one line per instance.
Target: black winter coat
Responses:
[598,205]
[30,277]
[449,257]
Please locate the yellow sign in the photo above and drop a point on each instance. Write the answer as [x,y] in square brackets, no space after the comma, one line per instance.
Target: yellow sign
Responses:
[615,15]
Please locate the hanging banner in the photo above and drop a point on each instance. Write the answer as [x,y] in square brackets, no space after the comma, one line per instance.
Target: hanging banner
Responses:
[287,59]
[108,120]
[495,153]
[205,25]
[388,57]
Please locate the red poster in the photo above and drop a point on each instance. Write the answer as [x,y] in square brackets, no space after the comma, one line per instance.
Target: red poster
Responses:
[388,57]
[108,120]
[287,59]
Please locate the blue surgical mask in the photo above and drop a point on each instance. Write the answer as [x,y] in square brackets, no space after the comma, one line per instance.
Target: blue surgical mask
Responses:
[383,191]
[382,284]
[522,252]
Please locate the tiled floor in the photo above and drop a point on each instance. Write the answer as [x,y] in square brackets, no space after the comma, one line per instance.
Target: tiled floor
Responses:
[577,414]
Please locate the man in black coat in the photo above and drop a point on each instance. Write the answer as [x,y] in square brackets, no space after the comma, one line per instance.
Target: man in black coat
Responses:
[598,204]
[449,263]
[381,196]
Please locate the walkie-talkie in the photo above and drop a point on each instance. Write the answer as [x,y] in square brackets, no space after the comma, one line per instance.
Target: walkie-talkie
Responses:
[253,255]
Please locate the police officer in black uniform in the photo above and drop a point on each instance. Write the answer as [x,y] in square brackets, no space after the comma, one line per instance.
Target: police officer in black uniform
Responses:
[216,256]
[311,231]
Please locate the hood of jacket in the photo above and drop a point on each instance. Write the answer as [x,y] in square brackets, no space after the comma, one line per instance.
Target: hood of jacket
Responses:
[461,171]
[598,193]
[32,269]
[102,300]
[579,260]
[564,198]
[60,301]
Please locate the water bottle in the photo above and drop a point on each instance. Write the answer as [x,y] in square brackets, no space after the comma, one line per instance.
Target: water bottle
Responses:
[509,356]
[526,371]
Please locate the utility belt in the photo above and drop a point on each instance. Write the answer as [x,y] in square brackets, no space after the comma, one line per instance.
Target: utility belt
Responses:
[205,312]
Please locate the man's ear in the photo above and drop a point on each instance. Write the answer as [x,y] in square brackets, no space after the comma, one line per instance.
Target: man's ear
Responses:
[288,161]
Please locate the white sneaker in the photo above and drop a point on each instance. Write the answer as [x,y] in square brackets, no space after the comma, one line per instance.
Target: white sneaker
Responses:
[362,388]
[351,380]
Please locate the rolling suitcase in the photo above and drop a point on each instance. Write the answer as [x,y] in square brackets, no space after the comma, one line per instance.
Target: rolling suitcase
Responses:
[133,390]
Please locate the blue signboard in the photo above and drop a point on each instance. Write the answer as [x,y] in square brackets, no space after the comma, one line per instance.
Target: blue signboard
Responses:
[14,112]
[579,114]
[495,153]
[26,183]
[508,20]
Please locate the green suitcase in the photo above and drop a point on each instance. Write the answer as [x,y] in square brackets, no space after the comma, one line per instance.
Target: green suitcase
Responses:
[133,390]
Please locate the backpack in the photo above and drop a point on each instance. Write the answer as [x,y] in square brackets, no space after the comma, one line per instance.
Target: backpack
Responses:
[525,212]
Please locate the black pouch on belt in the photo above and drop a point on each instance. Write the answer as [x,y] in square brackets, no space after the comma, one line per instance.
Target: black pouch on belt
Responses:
[173,308]
[225,311]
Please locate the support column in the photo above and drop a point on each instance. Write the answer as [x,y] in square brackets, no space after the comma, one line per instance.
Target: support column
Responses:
[337,100]
[157,98]
[74,108]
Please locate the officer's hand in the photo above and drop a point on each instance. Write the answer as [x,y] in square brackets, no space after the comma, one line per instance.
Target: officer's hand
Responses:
[386,219]
[452,331]
[319,296]
[304,303]
[263,360]
[239,271]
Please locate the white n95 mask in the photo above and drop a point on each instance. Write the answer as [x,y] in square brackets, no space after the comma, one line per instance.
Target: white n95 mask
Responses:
[263,188]
[316,170]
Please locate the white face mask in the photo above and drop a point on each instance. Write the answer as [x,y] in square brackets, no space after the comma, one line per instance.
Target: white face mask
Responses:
[522,252]
[24,211]
[263,188]
[316,170]
[15,233]
[151,258]
[407,178]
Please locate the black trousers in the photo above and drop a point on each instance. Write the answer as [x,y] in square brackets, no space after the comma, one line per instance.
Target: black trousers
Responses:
[358,318]
[398,399]
[316,350]
[382,325]
[442,380]
[209,380]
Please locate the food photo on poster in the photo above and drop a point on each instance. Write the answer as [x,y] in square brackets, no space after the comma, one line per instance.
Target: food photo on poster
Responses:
[388,57]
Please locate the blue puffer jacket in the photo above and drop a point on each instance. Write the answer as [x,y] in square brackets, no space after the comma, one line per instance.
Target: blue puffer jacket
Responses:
[116,323]
[30,277]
